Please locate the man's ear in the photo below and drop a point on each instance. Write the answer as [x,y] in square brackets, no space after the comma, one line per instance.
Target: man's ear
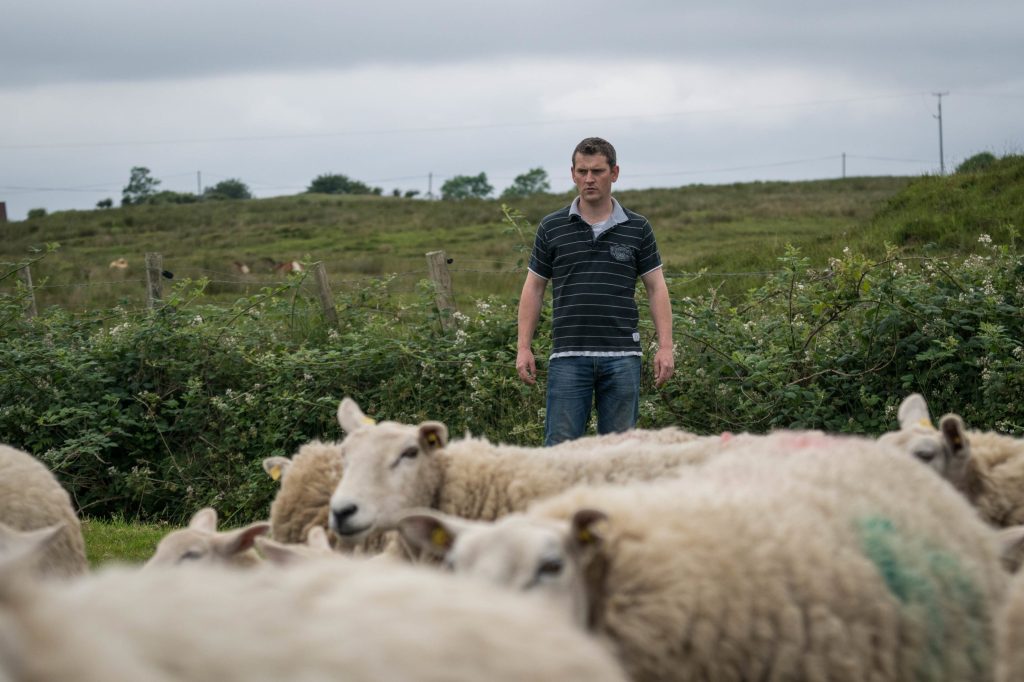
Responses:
[615,172]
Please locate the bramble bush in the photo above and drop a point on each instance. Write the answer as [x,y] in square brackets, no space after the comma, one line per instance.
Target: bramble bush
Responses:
[153,415]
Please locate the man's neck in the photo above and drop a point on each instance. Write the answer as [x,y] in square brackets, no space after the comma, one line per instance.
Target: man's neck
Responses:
[594,214]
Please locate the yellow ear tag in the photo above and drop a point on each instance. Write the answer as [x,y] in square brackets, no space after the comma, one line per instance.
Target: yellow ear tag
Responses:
[926,423]
[439,536]
[369,421]
[275,472]
[432,439]
[584,536]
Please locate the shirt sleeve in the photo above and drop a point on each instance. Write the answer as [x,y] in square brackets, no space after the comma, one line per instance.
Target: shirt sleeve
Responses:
[650,258]
[540,259]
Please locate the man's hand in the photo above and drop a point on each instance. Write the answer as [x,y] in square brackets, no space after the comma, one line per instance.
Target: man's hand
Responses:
[664,365]
[526,365]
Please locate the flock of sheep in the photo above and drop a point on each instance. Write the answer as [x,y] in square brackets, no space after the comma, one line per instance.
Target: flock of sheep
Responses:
[398,553]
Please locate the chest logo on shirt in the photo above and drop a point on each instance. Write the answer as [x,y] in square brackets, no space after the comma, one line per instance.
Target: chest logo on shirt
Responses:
[621,253]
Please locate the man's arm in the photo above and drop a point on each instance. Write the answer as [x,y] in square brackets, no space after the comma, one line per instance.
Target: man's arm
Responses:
[661,314]
[530,302]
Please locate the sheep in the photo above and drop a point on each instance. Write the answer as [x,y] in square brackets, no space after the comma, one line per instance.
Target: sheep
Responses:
[987,467]
[799,557]
[1010,634]
[200,542]
[340,618]
[32,497]
[308,479]
[390,467]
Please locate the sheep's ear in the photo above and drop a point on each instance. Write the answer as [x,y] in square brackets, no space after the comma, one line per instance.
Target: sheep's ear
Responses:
[952,428]
[1011,547]
[204,520]
[914,410]
[276,467]
[430,532]
[237,541]
[350,417]
[585,544]
[277,552]
[433,435]
[316,538]
[18,546]
[582,532]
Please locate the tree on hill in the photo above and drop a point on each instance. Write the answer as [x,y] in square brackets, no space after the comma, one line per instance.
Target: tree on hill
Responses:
[232,188]
[105,203]
[334,183]
[141,186]
[466,187]
[533,181]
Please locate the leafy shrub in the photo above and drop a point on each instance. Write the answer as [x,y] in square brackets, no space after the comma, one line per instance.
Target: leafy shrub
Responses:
[36,213]
[977,163]
[151,415]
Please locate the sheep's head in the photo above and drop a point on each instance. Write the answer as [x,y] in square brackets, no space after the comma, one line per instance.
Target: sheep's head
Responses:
[201,542]
[944,449]
[556,560]
[388,468]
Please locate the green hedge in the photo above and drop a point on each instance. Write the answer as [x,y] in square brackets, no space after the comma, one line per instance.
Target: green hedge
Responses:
[151,415]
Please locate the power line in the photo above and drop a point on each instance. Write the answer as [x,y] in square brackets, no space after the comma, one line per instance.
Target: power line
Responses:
[457,128]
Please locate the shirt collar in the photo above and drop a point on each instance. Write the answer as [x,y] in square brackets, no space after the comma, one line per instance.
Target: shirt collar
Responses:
[618,213]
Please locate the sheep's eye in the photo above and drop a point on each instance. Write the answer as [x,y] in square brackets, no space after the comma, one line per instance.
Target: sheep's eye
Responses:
[408,453]
[924,455]
[190,555]
[550,567]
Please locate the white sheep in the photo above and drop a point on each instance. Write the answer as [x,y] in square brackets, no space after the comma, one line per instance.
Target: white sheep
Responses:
[201,542]
[1010,633]
[303,502]
[987,467]
[800,557]
[307,479]
[391,467]
[32,497]
[341,618]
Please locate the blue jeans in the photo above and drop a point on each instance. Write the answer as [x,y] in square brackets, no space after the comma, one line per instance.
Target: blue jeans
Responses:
[573,385]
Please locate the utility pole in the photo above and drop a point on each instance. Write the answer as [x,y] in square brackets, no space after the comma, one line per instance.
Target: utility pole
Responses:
[430,185]
[942,158]
[844,165]
[199,183]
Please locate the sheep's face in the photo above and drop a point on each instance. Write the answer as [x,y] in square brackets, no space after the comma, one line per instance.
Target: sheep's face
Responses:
[200,542]
[944,449]
[537,556]
[388,468]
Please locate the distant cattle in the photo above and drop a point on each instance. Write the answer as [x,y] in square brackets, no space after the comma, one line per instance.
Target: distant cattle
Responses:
[119,264]
[242,267]
[288,267]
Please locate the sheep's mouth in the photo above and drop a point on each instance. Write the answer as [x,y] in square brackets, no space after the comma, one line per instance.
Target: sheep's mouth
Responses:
[352,531]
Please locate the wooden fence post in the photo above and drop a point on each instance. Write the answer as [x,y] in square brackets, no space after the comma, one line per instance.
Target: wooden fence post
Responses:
[26,277]
[154,283]
[326,298]
[437,262]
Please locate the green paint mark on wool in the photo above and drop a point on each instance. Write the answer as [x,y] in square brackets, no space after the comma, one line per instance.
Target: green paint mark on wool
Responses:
[924,579]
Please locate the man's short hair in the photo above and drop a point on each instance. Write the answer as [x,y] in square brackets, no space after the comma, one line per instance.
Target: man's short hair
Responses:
[595,145]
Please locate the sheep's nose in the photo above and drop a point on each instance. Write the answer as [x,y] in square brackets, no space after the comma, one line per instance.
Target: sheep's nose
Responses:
[343,514]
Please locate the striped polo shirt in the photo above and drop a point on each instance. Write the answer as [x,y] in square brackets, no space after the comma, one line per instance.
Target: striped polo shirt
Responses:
[594,280]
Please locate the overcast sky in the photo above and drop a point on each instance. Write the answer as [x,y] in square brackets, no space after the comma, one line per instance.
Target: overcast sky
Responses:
[403,94]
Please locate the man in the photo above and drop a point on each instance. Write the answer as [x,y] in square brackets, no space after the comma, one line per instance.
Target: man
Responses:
[593,251]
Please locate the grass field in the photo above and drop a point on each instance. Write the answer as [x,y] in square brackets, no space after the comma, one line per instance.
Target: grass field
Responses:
[723,228]
[118,540]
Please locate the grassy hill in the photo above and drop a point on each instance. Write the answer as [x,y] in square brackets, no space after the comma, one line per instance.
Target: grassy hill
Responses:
[726,229]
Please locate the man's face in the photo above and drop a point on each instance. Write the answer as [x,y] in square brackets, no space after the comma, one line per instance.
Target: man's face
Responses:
[594,177]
